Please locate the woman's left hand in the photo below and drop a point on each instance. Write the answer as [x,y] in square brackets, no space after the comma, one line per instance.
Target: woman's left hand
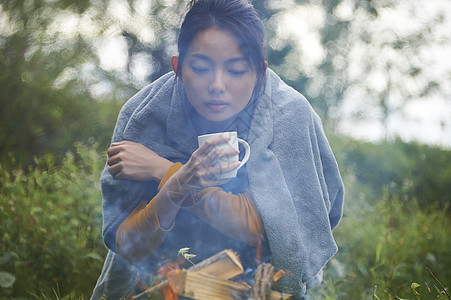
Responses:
[130,160]
[202,169]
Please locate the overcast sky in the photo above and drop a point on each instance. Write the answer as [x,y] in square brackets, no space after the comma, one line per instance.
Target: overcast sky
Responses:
[427,120]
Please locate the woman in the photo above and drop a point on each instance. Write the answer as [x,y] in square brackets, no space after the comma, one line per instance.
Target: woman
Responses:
[160,191]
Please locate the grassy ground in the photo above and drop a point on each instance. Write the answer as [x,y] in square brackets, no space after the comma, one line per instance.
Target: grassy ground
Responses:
[390,247]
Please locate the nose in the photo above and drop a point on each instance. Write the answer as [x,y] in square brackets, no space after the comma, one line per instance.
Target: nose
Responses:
[217,85]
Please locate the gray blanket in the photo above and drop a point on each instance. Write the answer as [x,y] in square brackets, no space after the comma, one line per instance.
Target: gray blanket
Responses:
[294,179]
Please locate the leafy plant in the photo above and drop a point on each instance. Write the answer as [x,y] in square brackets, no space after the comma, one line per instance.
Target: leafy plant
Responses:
[50,225]
[383,250]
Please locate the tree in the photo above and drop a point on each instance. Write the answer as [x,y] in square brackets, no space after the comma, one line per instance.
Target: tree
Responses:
[57,88]
[360,59]
[64,83]
[45,108]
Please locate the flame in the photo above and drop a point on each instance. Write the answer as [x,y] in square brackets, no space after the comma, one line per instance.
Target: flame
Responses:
[279,274]
[169,294]
[258,252]
[172,265]
[168,291]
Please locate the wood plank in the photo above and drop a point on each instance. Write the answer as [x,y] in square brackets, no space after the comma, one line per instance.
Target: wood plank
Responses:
[202,287]
[209,280]
[223,265]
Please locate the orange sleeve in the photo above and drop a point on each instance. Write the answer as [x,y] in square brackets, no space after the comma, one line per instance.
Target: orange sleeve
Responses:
[143,219]
[171,171]
[233,215]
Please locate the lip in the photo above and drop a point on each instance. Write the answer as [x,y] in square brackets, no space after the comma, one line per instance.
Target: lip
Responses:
[217,105]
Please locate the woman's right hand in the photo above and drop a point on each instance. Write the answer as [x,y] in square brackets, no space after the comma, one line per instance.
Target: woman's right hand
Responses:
[130,160]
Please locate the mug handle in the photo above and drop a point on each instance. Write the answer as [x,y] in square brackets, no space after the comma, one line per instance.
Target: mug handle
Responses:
[247,152]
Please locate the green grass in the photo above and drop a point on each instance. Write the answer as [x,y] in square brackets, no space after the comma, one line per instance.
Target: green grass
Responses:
[387,249]
[50,227]
[390,246]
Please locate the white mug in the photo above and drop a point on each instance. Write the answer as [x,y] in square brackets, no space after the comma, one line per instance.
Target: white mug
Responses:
[232,143]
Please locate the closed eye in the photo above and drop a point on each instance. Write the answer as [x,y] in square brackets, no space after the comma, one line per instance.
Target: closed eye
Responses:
[237,72]
[199,70]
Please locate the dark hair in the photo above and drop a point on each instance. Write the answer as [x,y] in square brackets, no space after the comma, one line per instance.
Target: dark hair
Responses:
[236,16]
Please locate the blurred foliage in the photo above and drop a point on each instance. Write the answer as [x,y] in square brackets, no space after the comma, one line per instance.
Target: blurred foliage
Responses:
[56,88]
[61,83]
[40,115]
[396,170]
[395,225]
[50,226]
[383,250]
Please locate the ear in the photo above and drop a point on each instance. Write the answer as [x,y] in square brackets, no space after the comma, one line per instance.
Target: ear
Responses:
[266,64]
[174,63]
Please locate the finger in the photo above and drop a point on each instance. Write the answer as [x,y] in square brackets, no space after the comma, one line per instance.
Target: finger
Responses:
[203,150]
[212,158]
[211,177]
[119,175]
[113,150]
[218,139]
[224,152]
[124,142]
[112,160]
[225,168]
[114,170]
[210,143]
[119,146]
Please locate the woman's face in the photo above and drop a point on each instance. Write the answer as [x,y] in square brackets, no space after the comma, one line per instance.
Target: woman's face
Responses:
[217,77]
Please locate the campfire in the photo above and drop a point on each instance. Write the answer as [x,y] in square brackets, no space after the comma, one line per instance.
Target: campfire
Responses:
[212,279]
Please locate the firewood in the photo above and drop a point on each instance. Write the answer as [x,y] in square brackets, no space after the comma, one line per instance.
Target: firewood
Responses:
[223,265]
[263,280]
[209,280]
[202,287]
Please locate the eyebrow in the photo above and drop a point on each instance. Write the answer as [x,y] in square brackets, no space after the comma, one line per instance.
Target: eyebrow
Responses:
[231,60]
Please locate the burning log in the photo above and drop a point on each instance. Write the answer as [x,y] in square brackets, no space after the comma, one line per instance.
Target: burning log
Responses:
[263,281]
[209,280]
[223,265]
